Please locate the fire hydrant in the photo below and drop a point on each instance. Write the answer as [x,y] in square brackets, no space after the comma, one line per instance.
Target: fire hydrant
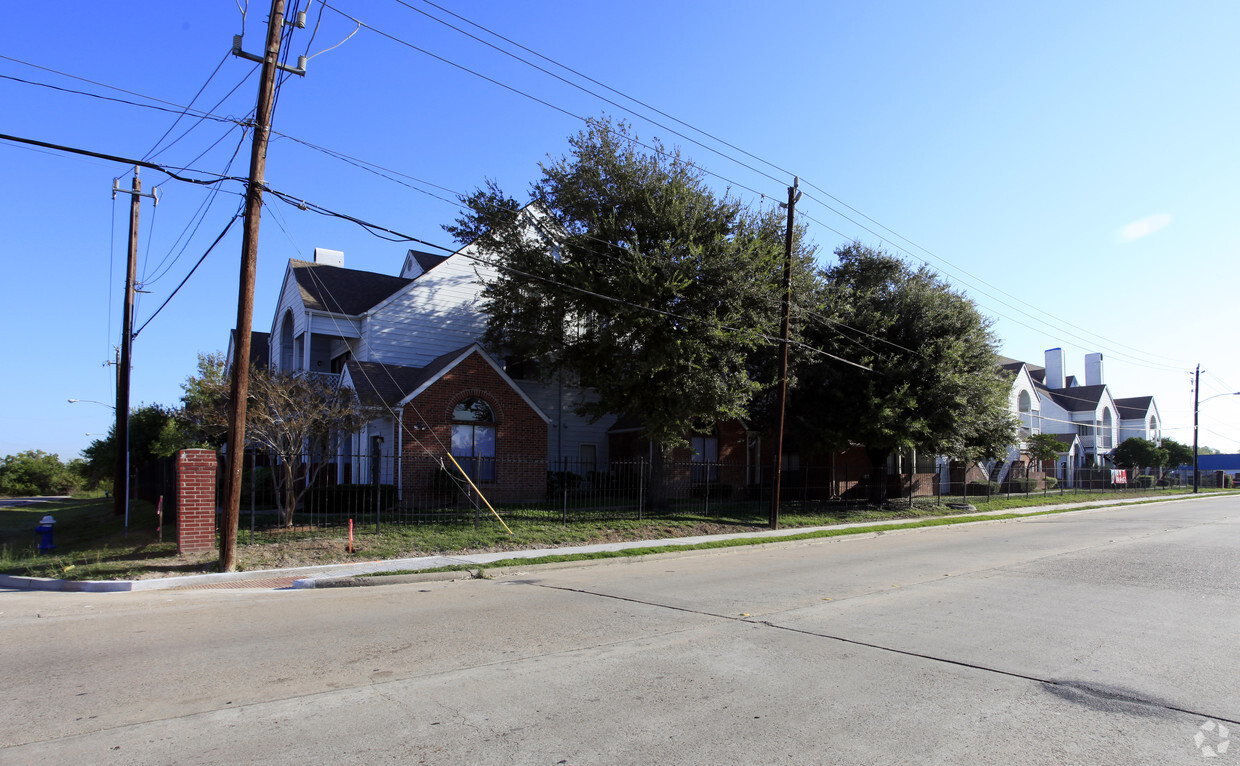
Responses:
[45,534]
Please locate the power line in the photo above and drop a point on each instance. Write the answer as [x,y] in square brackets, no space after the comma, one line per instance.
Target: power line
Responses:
[185,111]
[175,110]
[231,221]
[165,169]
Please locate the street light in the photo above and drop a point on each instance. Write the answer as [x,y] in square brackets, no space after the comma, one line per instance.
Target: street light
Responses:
[92,401]
[121,480]
[1196,406]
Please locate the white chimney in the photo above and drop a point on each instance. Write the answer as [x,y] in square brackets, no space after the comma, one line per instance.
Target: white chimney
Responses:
[326,257]
[1054,368]
[1093,370]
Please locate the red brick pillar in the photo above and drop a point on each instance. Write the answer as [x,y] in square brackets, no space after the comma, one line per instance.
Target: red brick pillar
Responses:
[195,500]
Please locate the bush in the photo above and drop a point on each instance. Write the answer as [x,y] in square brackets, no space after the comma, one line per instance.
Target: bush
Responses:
[715,490]
[1051,482]
[1024,486]
[983,488]
[559,481]
[348,498]
[1143,482]
[1168,481]
[261,487]
[601,480]
[1227,481]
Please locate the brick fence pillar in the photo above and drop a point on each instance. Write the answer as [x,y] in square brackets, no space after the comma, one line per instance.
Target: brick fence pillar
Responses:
[196,500]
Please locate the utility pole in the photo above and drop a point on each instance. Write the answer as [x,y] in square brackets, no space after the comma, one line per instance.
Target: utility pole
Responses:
[240,384]
[1196,405]
[120,477]
[793,196]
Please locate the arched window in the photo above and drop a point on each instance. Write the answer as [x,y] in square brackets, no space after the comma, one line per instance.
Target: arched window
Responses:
[1024,405]
[286,342]
[1108,439]
[473,438]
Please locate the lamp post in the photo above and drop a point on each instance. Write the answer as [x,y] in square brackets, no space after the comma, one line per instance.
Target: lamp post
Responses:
[1196,406]
[121,478]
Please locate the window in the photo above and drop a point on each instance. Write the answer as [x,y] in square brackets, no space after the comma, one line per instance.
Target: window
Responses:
[473,438]
[706,452]
[587,455]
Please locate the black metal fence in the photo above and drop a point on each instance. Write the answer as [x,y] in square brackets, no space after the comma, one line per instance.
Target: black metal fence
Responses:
[373,492]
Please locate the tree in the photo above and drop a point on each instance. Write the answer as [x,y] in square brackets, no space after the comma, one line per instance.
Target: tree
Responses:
[1043,447]
[631,277]
[204,404]
[1177,454]
[35,472]
[302,420]
[932,384]
[154,432]
[1135,453]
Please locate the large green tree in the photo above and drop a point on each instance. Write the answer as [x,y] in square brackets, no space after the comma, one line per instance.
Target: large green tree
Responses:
[1135,453]
[631,276]
[933,383]
[204,403]
[154,432]
[1177,454]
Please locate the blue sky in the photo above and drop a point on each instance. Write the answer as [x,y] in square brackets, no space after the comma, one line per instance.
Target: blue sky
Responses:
[1070,166]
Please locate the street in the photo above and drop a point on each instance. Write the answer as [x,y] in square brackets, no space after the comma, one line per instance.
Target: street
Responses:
[1102,637]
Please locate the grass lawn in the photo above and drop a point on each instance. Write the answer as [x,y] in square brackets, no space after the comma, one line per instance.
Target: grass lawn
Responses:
[93,544]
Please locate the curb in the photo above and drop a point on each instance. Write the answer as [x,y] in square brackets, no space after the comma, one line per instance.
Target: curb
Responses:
[369,573]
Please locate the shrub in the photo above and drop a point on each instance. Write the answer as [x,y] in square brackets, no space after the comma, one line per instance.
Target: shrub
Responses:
[1023,485]
[1227,481]
[348,498]
[601,480]
[983,488]
[1051,482]
[1168,481]
[716,490]
[1143,482]
[558,481]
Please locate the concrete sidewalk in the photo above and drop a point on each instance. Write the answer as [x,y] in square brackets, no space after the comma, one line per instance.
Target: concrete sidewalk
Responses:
[338,574]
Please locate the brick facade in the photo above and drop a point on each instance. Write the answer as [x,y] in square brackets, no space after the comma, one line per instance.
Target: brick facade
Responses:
[520,433]
[196,500]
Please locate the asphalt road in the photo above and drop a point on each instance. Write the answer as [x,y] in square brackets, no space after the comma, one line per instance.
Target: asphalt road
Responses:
[1094,637]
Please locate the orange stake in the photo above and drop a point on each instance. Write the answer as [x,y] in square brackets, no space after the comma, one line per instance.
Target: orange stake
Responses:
[350,535]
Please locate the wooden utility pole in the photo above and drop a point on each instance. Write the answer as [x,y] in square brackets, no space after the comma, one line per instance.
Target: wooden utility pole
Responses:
[120,477]
[240,384]
[793,196]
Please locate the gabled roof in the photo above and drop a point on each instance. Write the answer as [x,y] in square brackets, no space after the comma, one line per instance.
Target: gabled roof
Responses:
[1078,398]
[427,261]
[383,385]
[1133,407]
[1066,439]
[394,385]
[338,290]
[260,347]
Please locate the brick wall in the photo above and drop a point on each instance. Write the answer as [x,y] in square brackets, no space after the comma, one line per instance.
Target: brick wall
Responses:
[520,434]
[195,478]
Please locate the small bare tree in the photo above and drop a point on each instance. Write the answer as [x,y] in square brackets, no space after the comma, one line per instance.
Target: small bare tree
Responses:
[302,420]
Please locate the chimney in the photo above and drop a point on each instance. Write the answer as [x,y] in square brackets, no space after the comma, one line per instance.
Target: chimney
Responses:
[1093,370]
[325,257]
[1054,368]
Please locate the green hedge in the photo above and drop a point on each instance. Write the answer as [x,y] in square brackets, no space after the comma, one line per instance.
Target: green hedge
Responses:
[1143,482]
[348,498]
[1051,482]
[1024,486]
[983,488]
